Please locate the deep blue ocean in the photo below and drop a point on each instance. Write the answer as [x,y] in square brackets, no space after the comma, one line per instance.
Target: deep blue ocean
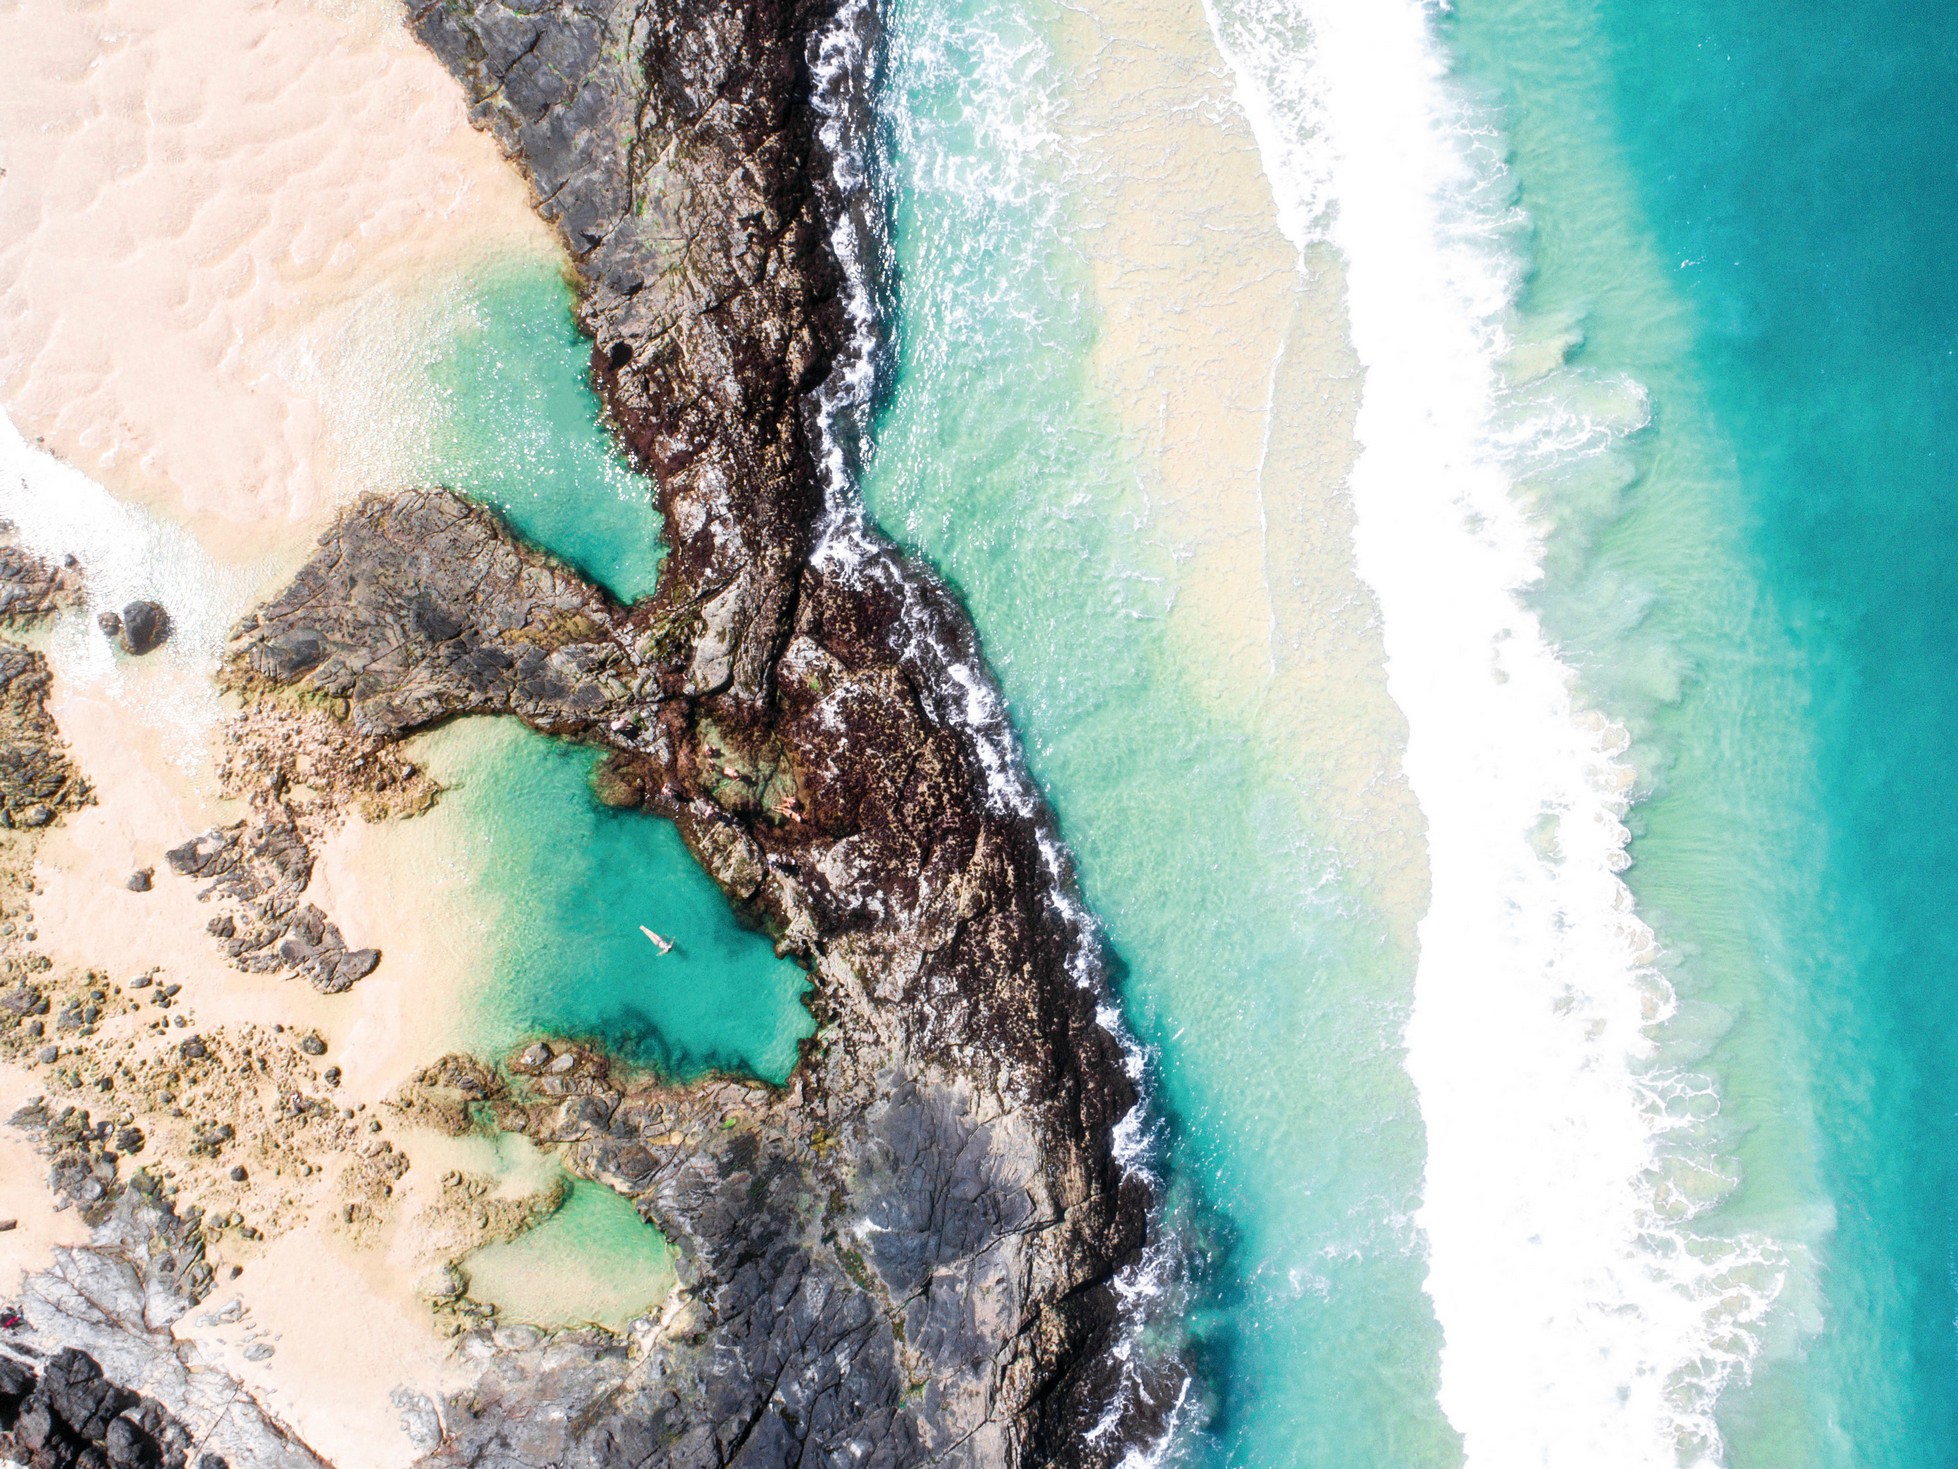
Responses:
[1797,173]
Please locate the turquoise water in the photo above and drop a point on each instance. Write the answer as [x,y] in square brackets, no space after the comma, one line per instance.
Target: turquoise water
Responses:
[561,885]
[593,1260]
[1808,168]
[516,425]
[1737,218]
[1778,278]
[565,882]
[1256,968]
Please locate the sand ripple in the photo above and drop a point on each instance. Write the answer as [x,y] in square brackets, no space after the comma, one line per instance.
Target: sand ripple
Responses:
[194,199]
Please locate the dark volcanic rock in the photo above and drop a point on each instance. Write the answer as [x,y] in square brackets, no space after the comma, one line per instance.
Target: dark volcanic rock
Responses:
[31,588]
[909,1255]
[114,1300]
[37,780]
[144,627]
[258,869]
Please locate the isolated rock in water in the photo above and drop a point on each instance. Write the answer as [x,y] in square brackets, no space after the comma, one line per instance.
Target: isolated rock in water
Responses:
[145,626]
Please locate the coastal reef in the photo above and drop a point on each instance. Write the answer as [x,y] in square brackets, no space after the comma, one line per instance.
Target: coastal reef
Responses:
[910,1255]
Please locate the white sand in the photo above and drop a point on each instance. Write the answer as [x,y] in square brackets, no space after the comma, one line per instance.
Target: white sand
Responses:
[38,1228]
[200,201]
[1230,372]
[335,1385]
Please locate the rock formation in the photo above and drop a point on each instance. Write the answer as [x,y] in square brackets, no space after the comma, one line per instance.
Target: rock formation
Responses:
[142,628]
[910,1255]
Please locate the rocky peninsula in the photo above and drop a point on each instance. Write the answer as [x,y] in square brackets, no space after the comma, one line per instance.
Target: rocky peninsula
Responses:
[911,1253]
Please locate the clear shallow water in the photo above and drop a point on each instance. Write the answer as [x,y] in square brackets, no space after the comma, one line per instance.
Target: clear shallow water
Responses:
[593,1261]
[1251,962]
[1716,356]
[563,884]
[516,425]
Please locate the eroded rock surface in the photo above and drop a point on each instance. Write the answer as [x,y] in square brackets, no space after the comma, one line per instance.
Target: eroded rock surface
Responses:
[257,871]
[37,780]
[31,588]
[908,1256]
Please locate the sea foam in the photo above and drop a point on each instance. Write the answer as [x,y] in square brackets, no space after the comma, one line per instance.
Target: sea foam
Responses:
[938,648]
[1586,1318]
[126,552]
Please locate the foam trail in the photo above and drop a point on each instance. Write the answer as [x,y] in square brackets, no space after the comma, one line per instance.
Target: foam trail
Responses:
[1586,1319]
[126,553]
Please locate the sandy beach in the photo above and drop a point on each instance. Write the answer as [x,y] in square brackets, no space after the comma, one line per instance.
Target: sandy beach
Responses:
[337,1388]
[211,218]
[229,231]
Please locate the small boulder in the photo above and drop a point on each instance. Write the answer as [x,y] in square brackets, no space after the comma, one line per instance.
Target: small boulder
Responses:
[444,1283]
[145,626]
[141,880]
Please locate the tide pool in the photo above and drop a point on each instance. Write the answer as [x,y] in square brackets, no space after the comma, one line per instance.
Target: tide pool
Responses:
[563,883]
[516,425]
[593,1261]
[560,885]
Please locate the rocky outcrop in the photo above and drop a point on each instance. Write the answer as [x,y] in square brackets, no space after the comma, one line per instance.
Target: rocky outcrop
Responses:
[54,1418]
[257,871]
[672,144]
[37,780]
[301,773]
[31,588]
[909,1256]
[114,1386]
[141,627]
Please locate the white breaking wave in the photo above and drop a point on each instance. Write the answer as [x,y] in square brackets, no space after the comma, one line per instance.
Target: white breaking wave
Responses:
[943,657]
[1587,1323]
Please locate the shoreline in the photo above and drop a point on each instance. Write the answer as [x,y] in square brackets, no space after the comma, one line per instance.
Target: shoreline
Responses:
[199,217]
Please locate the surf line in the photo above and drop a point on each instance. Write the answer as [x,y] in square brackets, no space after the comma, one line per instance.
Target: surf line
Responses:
[1586,1320]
